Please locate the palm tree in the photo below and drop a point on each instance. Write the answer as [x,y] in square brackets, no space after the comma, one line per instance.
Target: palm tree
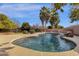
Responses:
[44,16]
[54,20]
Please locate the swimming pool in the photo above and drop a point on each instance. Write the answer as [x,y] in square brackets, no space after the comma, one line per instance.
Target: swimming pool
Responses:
[48,42]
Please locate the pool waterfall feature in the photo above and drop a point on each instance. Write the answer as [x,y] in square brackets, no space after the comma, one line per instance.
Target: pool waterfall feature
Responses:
[46,42]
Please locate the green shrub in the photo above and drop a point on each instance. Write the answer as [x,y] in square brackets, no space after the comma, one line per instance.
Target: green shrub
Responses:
[25,26]
[49,27]
[25,32]
[37,30]
[60,27]
[6,23]
[32,31]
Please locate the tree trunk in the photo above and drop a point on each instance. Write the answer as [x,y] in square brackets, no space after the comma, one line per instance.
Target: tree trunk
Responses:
[53,26]
[45,27]
[42,26]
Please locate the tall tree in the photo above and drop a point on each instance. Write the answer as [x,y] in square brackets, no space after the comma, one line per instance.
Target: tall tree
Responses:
[58,6]
[6,23]
[54,20]
[54,16]
[44,16]
[74,15]
[74,12]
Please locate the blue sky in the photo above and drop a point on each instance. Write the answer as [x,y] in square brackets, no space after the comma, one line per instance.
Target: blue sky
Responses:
[29,12]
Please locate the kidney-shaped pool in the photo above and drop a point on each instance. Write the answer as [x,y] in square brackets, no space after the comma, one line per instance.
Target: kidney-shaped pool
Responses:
[47,42]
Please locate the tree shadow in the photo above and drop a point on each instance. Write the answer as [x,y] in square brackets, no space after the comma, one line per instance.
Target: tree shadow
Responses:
[4,43]
[3,50]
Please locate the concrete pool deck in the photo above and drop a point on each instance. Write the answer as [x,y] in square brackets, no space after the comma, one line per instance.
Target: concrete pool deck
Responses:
[21,51]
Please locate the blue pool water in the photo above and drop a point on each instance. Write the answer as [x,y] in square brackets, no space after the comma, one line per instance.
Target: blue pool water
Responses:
[48,42]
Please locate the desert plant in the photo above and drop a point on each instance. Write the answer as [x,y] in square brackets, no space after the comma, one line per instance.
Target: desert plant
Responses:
[37,30]
[32,31]
[24,32]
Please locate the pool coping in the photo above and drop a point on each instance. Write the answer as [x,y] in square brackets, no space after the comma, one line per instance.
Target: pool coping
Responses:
[73,40]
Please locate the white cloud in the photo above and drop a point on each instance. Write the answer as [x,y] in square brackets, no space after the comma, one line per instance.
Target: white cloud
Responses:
[20,10]
[19,7]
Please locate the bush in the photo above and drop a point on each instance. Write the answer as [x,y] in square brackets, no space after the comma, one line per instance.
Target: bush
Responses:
[37,30]
[49,27]
[25,26]
[60,27]
[6,23]
[24,32]
[32,31]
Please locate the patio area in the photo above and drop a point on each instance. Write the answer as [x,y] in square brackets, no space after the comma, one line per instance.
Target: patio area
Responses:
[20,51]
